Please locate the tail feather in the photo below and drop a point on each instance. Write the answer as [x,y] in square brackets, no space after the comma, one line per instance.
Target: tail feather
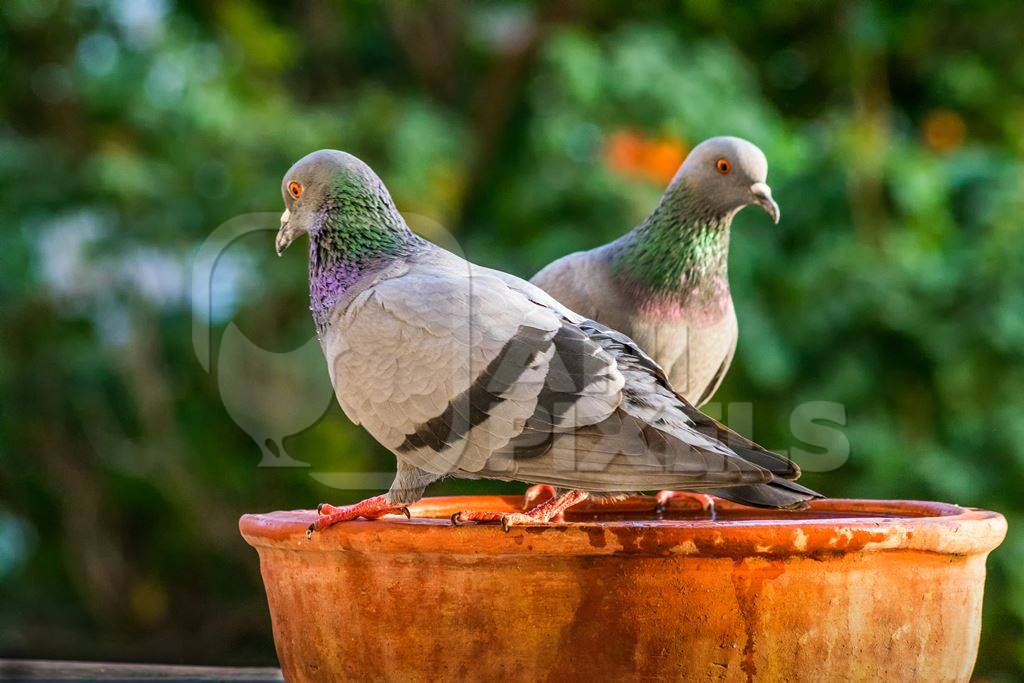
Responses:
[778,493]
[777,464]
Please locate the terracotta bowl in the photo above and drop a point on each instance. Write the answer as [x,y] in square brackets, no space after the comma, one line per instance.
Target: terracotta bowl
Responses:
[848,590]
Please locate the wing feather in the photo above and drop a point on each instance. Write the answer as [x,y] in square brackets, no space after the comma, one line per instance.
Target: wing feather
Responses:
[469,359]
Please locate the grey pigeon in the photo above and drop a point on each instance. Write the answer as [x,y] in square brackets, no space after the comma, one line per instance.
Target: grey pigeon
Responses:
[665,283]
[464,371]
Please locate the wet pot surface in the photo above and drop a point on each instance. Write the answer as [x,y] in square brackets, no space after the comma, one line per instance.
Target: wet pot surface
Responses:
[847,590]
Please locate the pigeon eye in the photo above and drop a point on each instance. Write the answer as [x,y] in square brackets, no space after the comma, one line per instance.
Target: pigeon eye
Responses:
[294,189]
[723,166]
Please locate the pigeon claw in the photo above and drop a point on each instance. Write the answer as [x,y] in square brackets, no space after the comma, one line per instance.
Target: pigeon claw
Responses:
[462,516]
[536,493]
[703,500]
[522,518]
[371,508]
[540,514]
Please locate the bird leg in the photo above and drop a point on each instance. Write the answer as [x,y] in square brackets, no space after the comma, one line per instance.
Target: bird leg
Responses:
[538,492]
[545,492]
[541,492]
[540,514]
[706,502]
[371,508]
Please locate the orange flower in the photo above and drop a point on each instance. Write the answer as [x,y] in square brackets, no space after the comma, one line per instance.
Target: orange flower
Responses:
[623,151]
[662,159]
[631,154]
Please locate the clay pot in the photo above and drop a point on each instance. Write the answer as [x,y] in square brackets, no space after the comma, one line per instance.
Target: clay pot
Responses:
[848,590]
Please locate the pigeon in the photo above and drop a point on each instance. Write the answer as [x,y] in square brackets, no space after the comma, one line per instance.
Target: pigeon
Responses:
[465,371]
[665,283]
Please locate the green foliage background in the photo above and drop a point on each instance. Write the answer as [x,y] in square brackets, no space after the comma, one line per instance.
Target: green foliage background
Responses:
[131,129]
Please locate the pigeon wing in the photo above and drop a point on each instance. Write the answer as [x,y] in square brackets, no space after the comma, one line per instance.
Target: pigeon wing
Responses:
[445,366]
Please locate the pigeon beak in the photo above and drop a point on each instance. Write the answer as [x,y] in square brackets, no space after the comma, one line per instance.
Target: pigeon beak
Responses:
[763,198]
[286,235]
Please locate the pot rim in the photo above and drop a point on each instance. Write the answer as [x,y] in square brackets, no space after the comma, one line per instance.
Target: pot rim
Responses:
[870,526]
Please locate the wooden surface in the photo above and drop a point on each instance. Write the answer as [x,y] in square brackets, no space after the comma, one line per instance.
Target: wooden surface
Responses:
[39,670]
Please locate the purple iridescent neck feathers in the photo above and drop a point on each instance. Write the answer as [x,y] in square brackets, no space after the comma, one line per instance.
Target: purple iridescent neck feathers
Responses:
[351,241]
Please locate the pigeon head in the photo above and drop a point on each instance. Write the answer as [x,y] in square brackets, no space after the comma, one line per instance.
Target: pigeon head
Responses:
[334,189]
[728,173]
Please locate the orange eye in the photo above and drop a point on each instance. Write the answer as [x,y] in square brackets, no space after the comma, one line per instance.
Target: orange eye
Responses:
[723,166]
[294,189]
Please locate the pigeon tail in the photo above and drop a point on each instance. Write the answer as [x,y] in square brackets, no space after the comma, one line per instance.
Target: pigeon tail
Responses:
[778,493]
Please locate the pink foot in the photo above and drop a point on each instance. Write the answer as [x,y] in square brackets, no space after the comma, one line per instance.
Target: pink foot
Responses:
[541,514]
[541,492]
[706,502]
[538,492]
[371,508]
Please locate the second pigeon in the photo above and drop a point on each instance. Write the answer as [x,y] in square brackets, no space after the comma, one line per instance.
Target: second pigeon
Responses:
[665,283]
